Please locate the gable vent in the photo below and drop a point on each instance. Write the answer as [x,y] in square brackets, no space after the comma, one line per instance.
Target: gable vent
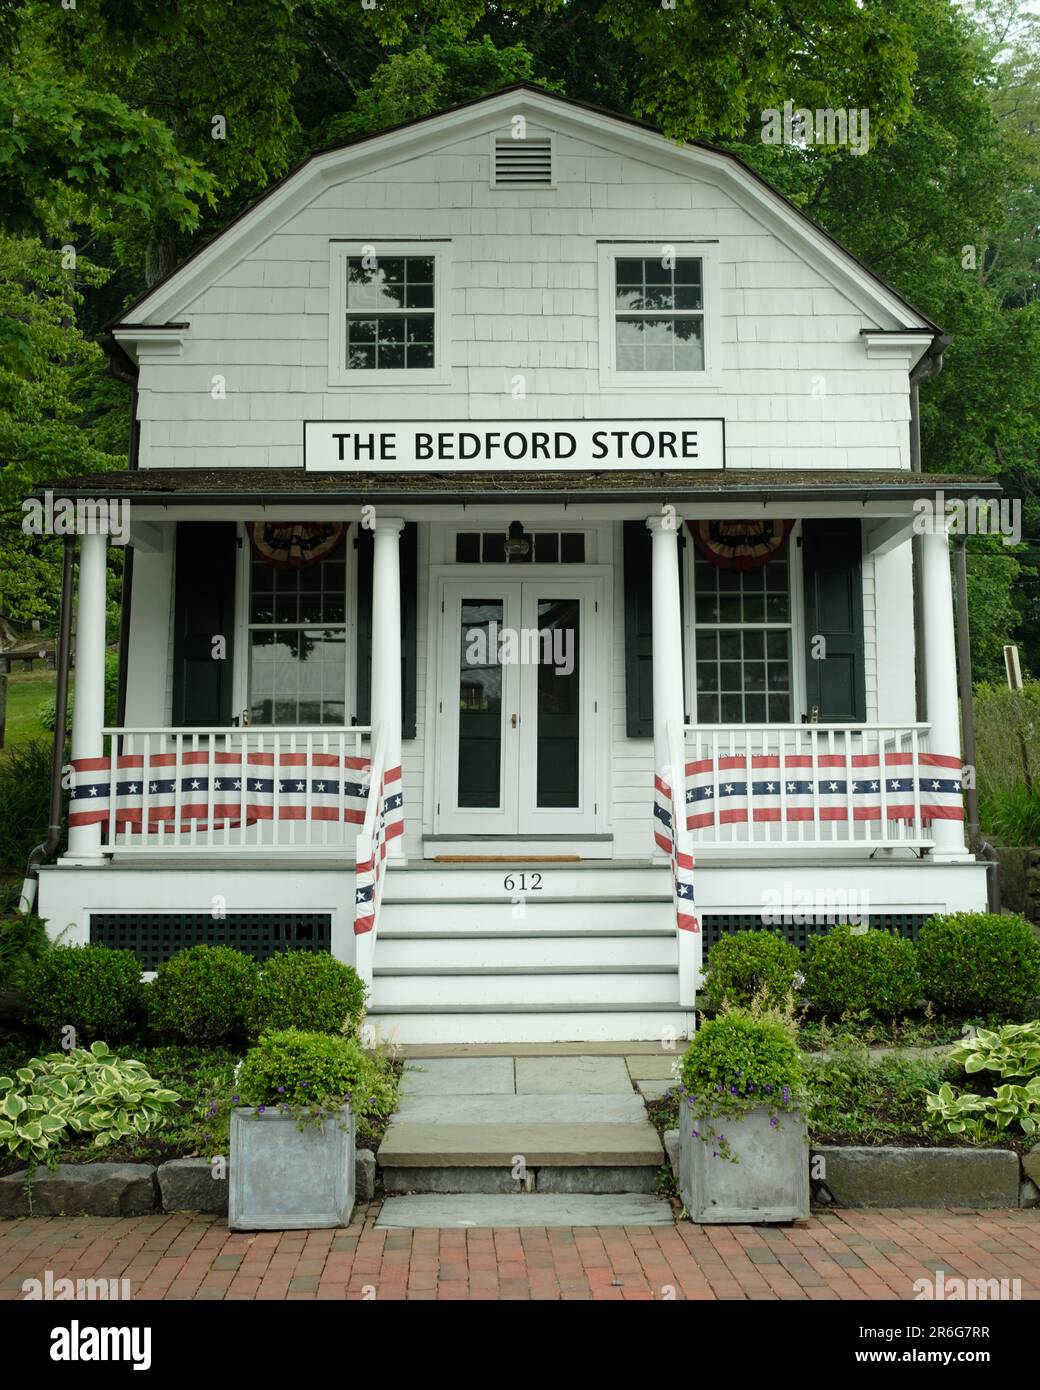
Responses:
[523,161]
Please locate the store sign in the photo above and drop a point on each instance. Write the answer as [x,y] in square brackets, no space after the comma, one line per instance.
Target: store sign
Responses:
[504,446]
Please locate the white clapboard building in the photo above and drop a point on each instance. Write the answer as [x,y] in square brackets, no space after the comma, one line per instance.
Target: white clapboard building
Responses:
[501,483]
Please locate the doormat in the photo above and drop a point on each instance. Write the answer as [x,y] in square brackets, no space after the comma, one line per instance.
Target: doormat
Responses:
[507,859]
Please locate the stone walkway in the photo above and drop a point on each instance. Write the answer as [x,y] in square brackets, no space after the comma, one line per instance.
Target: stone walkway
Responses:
[848,1255]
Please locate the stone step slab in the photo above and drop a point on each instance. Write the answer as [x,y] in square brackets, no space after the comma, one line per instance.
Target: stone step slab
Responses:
[498,1145]
[429,1211]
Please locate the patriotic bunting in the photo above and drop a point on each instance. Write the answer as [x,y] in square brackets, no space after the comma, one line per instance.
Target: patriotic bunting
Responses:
[800,788]
[389,824]
[168,791]
[682,863]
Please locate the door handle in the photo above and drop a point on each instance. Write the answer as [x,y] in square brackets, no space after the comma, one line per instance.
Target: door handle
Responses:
[513,721]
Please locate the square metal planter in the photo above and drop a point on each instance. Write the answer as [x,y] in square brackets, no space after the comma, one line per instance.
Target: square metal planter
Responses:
[286,1179]
[769,1183]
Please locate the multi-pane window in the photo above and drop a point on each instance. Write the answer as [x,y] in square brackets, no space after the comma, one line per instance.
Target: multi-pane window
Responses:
[547,548]
[390,313]
[298,642]
[659,314]
[742,643]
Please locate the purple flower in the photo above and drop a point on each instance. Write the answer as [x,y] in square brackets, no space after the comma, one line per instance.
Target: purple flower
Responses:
[207,1136]
[261,1109]
[768,1090]
[733,1091]
[303,1085]
[280,1090]
[752,1090]
[235,1100]
[694,1134]
[773,1122]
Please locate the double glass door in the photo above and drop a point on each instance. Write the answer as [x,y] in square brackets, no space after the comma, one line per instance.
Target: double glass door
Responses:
[518,707]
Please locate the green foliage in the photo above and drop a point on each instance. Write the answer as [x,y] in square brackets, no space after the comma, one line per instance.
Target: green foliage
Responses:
[853,1097]
[740,1060]
[861,972]
[298,1071]
[23,940]
[983,1119]
[1012,817]
[78,1092]
[979,964]
[25,800]
[749,964]
[47,710]
[314,993]
[1010,1051]
[203,995]
[92,989]
[1007,736]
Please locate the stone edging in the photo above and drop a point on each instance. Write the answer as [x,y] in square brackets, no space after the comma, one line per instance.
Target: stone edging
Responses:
[136,1189]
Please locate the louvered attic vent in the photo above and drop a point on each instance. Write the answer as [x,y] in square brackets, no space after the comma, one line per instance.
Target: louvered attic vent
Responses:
[523,162]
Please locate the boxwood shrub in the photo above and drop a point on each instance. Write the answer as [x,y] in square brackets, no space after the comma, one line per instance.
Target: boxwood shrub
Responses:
[749,963]
[864,972]
[203,995]
[314,993]
[978,964]
[739,1060]
[96,990]
[295,1068]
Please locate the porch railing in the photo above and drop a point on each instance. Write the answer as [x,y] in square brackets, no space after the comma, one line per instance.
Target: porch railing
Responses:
[812,785]
[225,790]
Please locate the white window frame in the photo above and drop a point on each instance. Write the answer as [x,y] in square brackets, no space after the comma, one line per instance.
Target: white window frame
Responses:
[610,252]
[415,377]
[796,627]
[243,628]
[591,537]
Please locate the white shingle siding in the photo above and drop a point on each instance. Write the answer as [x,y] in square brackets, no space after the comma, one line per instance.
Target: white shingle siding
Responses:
[524,299]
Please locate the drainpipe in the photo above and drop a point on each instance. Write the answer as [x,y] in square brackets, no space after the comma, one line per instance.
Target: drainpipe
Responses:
[45,851]
[929,366]
[976,843]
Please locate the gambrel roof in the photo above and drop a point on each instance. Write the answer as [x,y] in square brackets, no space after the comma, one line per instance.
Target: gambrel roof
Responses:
[167,299]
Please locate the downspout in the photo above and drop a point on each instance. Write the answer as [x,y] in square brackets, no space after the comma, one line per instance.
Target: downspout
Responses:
[976,843]
[928,367]
[46,850]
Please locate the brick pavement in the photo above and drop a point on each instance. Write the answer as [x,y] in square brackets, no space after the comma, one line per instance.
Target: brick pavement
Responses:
[838,1255]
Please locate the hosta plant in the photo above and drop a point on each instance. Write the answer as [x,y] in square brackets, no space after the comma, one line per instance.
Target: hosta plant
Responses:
[983,1118]
[80,1092]
[1010,1051]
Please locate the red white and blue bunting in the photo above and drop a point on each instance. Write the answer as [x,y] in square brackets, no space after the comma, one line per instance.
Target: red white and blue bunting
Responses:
[173,791]
[799,788]
[682,864]
[389,824]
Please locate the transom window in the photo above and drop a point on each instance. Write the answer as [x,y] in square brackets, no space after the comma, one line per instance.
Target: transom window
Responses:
[390,313]
[742,643]
[548,548]
[659,314]
[298,642]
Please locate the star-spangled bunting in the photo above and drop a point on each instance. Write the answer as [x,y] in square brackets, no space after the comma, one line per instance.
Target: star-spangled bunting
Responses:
[389,824]
[682,863]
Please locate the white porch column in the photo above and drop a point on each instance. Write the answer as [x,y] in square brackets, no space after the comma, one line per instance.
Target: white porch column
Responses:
[940,674]
[88,706]
[669,704]
[386,641]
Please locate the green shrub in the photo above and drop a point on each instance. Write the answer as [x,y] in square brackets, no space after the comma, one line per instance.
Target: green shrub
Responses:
[203,995]
[23,940]
[52,1098]
[25,802]
[979,964]
[740,1060]
[1012,814]
[865,972]
[1005,721]
[314,1070]
[95,990]
[746,964]
[983,1119]
[47,712]
[314,993]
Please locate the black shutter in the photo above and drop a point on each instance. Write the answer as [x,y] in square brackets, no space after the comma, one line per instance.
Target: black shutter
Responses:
[409,618]
[204,608]
[833,575]
[639,654]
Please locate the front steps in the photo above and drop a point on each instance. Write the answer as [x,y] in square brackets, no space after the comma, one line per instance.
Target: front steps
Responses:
[521,1141]
[526,952]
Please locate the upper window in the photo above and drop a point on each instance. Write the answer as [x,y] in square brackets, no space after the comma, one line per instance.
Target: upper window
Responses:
[659,315]
[386,320]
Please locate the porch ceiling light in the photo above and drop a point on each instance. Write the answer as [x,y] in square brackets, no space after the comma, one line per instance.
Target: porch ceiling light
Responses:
[517,544]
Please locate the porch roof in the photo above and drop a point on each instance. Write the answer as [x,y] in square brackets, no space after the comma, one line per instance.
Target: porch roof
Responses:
[273,486]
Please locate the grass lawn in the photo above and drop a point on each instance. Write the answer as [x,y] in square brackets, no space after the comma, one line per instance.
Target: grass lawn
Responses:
[26,692]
